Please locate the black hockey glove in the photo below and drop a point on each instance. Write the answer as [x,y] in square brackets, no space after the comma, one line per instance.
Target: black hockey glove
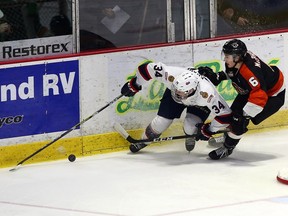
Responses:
[239,124]
[215,78]
[130,88]
[203,132]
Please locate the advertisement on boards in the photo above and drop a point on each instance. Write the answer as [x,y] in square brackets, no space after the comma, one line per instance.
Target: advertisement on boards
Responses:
[38,47]
[39,98]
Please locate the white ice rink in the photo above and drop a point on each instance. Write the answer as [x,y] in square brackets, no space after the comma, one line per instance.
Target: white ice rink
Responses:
[159,181]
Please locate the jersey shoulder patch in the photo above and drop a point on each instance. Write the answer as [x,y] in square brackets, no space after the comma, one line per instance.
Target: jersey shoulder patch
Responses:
[206,90]
[171,78]
[204,94]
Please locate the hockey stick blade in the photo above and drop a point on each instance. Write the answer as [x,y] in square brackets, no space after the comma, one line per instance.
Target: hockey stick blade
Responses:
[66,132]
[120,130]
[15,168]
[130,139]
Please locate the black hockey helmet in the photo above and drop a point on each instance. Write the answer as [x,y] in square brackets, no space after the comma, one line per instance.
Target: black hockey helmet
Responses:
[235,47]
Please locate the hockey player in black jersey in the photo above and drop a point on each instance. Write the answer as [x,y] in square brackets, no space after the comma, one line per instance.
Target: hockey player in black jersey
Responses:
[260,87]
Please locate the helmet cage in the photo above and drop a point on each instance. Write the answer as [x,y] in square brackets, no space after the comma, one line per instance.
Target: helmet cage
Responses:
[184,86]
[179,96]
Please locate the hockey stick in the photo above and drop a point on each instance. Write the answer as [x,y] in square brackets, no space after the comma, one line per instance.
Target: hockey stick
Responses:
[130,139]
[65,133]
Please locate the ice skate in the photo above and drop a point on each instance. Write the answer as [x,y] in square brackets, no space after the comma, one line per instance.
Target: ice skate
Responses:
[190,143]
[135,147]
[220,153]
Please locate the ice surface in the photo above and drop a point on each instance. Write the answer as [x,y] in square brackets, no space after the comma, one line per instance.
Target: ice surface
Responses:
[158,181]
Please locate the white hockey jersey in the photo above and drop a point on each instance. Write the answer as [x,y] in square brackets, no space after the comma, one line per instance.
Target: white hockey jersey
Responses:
[206,94]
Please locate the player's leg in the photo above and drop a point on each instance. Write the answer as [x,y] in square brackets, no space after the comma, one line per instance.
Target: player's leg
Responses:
[194,116]
[168,110]
[152,131]
[230,142]
[189,129]
[238,128]
[272,106]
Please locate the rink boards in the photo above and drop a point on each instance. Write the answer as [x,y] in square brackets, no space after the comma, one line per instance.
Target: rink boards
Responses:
[42,99]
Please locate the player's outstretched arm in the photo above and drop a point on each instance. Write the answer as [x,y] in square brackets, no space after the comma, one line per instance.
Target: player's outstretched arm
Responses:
[215,78]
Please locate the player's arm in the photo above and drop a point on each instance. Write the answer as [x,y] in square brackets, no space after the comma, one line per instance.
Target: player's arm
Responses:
[215,78]
[144,73]
[256,102]
[148,71]
[257,95]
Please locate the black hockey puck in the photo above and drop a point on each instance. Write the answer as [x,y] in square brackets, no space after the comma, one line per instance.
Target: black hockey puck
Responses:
[72,158]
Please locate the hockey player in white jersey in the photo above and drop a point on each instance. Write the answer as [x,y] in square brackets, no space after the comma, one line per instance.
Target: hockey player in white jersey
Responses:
[186,89]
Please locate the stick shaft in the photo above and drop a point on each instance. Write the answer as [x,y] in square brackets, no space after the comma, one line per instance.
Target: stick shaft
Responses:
[68,131]
[130,139]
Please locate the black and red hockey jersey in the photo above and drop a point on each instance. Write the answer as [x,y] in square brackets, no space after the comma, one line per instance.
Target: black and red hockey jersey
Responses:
[259,80]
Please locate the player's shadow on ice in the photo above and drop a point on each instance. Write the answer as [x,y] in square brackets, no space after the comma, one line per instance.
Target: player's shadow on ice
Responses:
[176,158]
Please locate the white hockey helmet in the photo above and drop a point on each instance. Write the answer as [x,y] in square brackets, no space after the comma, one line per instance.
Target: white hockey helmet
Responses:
[184,86]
